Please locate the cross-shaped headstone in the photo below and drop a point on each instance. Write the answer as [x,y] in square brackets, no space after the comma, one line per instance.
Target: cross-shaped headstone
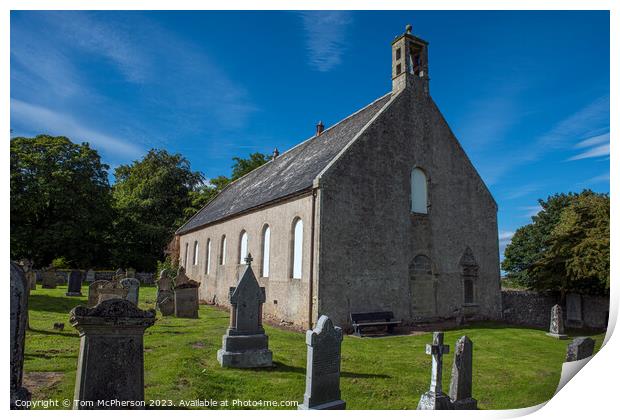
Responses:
[437,350]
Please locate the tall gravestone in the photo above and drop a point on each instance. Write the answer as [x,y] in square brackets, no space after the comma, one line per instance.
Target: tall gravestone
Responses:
[31,275]
[48,278]
[74,286]
[185,296]
[111,360]
[245,344]
[19,316]
[323,367]
[133,289]
[165,294]
[556,327]
[580,348]
[435,398]
[462,376]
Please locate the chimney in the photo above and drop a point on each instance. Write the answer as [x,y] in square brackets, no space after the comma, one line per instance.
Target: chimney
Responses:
[276,153]
[319,128]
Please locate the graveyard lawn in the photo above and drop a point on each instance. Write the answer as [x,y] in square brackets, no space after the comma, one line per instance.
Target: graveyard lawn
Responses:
[514,367]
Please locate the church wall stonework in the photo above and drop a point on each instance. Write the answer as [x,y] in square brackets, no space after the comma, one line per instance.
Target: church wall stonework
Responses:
[369,237]
[286,298]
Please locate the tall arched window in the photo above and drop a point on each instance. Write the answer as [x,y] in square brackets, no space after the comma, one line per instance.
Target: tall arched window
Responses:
[243,246]
[298,239]
[208,257]
[223,250]
[185,257]
[266,242]
[195,253]
[419,193]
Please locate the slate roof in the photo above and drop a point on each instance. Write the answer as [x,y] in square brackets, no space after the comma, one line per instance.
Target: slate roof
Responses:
[292,172]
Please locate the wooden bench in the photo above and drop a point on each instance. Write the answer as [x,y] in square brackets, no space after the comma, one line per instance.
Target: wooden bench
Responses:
[362,320]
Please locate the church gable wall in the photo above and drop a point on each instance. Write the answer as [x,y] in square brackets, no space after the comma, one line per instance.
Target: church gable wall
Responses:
[370,237]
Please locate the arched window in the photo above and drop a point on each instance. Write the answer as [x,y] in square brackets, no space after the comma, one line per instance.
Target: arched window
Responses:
[186,252]
[243,246]
[419,193]
[298,240]
[266,242]
[223,250]
[195,252]
[208,258]
[421,264]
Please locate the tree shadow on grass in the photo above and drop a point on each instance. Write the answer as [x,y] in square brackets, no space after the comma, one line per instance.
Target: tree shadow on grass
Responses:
[363,375]
[46,332]
[53,303]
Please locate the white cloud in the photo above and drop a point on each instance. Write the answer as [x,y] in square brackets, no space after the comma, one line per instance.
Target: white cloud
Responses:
[504,239]
[43,120]
[531,210]
[593,141]
[602,150]
[326,33]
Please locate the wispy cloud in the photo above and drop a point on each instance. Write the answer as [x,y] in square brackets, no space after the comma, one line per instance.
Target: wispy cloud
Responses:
[522,191]
[47,121]
[504,239]
[326,33]
[531,211]
[597,146]
[595,180]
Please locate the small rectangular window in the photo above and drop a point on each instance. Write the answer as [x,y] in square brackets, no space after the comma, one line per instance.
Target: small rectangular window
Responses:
[398,69]
[398,54]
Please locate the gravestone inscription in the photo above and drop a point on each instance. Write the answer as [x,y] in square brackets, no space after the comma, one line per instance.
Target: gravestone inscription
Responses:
[556,326]
[323,367]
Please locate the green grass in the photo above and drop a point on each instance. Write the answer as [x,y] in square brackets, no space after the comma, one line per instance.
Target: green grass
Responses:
[514,367]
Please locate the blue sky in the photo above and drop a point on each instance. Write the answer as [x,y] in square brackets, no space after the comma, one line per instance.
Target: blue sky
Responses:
[526,93]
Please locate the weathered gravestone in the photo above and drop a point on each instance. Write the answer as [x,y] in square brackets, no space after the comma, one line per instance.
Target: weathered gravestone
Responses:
[133,289]
[434,398]
[48,279]
[245,344]
[93,292]
[90,276]
[165,295]
[556,327]
[111,290]
[462,374]
[19,315]
[130,273]
[185,296]
[31,275]
[573,310]
[323,367]
[580,348]
[111,359]
[74,286]
[118,275]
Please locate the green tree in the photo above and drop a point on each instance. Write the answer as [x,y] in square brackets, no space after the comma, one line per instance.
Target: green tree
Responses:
[243,166]
[60,202]
[565,248]
[150,196]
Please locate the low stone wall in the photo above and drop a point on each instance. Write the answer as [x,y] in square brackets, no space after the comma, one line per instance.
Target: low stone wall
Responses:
[534,309]
[63,275]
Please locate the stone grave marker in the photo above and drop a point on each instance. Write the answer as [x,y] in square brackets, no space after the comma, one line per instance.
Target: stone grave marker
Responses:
[133,289]
[111,359]
[186,300]
[165,294]
[181,278]
[580,348]
[19,322]
[48,278]
[74,286]
[462,374]
[118,275]
[245,344]
[556,327]
[573,310]
[323,367]
[111,290]
[93,291]
[130,273]
[435,398]
[90,276]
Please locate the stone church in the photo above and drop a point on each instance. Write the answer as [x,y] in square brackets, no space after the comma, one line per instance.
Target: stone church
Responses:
[383,211]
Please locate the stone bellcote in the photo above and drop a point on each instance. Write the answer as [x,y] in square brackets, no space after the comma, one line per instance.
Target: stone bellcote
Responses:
[409,62]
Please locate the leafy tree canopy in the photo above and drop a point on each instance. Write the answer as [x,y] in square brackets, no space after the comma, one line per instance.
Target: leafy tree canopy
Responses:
[565,248]
[60,202]
[150,196]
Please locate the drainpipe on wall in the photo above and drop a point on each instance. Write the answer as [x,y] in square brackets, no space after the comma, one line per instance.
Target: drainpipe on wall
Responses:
[311,277]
